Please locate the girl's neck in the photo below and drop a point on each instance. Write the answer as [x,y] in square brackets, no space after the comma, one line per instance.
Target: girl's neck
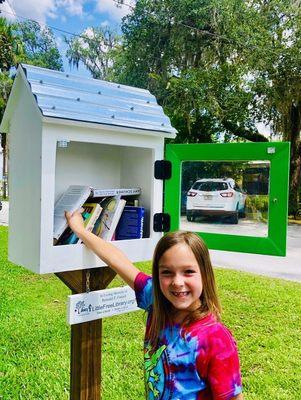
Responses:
[179,316]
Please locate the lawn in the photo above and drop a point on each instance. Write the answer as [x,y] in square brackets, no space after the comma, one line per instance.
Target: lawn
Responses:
[264,315]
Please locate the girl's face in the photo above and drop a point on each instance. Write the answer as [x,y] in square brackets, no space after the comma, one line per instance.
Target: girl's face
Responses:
[180,279]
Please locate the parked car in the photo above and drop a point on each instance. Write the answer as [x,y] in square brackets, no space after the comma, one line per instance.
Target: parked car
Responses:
[216,197]
[0,205]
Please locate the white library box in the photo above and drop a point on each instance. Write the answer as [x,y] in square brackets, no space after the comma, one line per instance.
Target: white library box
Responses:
[66,130]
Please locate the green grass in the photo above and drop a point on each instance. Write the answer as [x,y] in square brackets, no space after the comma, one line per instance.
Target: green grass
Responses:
[264,315]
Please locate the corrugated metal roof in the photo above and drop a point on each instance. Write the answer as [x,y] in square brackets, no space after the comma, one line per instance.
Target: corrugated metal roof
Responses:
[67,96]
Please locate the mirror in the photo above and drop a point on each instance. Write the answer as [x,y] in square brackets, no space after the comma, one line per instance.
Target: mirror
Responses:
[228,197]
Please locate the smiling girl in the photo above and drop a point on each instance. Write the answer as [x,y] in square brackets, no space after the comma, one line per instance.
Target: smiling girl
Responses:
[189,353]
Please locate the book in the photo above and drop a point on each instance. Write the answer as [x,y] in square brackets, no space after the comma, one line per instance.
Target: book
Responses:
[130,225]
[131,201]
[115,192]
[112,208]
[94,210]
[71,200]
[90,215]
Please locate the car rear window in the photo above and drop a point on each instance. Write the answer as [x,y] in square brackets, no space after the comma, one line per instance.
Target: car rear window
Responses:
[210,186]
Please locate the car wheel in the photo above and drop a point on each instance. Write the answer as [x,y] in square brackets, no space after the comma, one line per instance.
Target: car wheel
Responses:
[190,217]
[242,213]
[234,218]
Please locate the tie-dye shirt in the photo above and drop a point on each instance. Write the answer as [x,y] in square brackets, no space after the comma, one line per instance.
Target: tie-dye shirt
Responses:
[198,362]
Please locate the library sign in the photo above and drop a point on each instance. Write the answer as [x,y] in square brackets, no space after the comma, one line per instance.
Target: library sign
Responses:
[84,307]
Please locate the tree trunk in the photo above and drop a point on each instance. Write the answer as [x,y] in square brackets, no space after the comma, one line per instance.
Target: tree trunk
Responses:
[295,161]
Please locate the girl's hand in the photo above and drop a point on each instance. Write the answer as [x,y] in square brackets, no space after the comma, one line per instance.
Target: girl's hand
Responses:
[106,251]
[75,220]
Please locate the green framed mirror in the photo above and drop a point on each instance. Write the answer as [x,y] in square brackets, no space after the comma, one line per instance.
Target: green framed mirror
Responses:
[234,195]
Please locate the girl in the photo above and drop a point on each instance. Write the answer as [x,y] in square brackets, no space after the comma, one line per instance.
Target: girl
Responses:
[189,354]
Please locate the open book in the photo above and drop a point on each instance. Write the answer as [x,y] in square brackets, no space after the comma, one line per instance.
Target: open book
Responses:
[71,200]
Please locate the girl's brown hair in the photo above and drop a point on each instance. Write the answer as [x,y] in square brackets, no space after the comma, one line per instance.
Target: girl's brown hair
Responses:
[162,308]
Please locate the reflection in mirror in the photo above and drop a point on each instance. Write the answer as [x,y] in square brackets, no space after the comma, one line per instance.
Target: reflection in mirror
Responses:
[228,197]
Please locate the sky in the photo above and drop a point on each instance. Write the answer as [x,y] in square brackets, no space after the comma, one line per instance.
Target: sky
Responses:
[69,15]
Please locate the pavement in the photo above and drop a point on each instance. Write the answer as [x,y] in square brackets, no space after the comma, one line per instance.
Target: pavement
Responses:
[288,267]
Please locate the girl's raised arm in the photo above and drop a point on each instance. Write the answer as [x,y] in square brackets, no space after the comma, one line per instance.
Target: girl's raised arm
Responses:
[110,254]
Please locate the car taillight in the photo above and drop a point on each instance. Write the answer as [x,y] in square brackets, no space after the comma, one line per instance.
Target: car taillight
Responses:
[191,194]
[227,194]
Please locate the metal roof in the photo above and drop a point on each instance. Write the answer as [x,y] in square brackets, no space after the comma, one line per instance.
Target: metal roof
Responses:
[67,96]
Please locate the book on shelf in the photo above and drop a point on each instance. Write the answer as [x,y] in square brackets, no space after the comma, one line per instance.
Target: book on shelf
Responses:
[74,197]
[115,192]
[111,200]
[112,208]
[130,225]
[90,215]
[131,201]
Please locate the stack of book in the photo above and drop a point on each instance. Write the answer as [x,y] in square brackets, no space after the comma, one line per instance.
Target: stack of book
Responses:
[105,213]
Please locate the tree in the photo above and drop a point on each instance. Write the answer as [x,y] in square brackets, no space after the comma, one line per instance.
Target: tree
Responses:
[220,66]
[182,53]
[275,64]
[95,48]
[10,46]
[39,44]
[217,67]
[10,49]
[23,42]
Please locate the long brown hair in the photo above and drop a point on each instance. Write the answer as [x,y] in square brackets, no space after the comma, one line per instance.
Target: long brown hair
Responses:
[162,308]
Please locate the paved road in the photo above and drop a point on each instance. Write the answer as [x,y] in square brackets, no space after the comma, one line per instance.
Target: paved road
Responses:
[288,267]
[245,227]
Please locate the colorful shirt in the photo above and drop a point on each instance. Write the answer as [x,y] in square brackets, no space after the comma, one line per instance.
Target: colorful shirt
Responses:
[198,362]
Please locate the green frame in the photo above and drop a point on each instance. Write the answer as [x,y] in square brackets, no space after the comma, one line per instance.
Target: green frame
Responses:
[278,153]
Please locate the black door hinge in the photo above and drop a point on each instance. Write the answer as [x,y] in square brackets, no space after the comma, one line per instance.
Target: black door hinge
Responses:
[161,222]
[162,169]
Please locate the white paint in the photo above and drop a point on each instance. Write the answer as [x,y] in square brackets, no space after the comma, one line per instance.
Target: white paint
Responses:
[91,306]
[25,142]
[97,155]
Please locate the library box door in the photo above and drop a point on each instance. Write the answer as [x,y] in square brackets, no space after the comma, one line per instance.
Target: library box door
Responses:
[233,195]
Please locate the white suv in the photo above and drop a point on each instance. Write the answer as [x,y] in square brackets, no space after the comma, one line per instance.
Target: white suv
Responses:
[215,197]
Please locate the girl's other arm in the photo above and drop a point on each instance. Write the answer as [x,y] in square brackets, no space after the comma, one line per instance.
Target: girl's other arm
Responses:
[110,254]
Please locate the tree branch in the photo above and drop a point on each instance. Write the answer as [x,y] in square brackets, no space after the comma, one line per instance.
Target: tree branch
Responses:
[244,133]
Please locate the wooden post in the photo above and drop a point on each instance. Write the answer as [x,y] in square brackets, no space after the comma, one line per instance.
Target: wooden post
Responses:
[85,362]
